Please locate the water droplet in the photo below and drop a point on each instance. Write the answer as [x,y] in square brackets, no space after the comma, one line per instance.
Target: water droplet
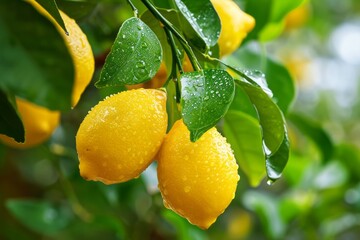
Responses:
[144,45]
[267,151]
[140,64]
[140,27]
[259,78]
[270,182]
[123,36]
[206,98]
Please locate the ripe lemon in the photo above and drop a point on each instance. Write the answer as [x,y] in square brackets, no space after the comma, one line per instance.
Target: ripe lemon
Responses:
[298,16]
[235,25]
[120,136]
[197,180]
[79,49]
[39,124]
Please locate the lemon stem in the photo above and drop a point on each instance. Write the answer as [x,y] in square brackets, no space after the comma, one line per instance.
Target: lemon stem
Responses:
[170,26]
[135,10]
[175,54]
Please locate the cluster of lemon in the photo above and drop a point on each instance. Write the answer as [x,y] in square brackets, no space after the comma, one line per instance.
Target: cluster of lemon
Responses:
[123,134]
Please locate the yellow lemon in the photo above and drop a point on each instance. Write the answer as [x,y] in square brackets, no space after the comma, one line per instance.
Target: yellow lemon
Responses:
[79,49]
[120,136]
[39,124]
[298,16]
[198,179]
[235,25]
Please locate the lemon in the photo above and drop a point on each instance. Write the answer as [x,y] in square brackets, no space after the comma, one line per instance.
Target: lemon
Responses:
[187,67]
[120,136]
[39,124]
[235,25]
[298,16]
[79,49]
[197,180]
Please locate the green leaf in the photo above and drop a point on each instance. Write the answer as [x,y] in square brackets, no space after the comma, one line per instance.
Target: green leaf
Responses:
[260,10]
[276,162]
[149,19]
[201,23]
[134,58]
[271,31]
[34,61]
[270,116]
[277,76]
[163,4]
[243,132]
[51,7]
[40,216]
[205,98]
[10,121]
[316,133]
[242,103]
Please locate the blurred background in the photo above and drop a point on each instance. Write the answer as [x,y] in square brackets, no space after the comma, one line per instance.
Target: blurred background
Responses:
[42,195]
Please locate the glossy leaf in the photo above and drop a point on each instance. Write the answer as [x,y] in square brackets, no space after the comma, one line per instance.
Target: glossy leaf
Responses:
[316,133]
[34,56]
[134,58]
[277,76]
[276,162]
[205,98]
[149,19]
[243,132]
[51,7]
[40,216]
[242,103]
[201,22]
[163,4]
[10,121]
[270,116]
